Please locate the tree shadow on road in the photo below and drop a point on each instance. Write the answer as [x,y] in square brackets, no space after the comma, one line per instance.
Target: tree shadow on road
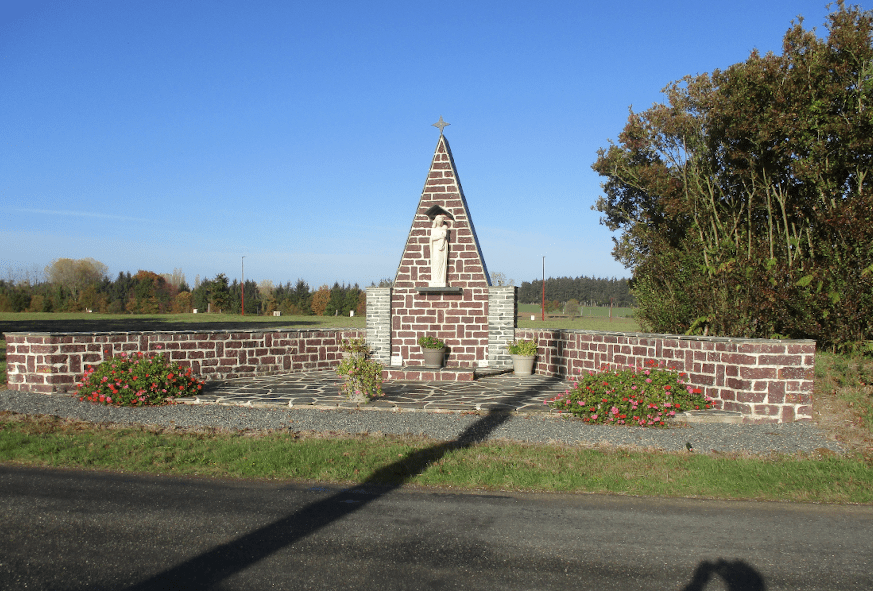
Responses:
[209,569]
[736,575]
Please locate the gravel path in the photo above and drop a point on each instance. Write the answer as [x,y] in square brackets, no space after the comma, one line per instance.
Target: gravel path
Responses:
[705,438]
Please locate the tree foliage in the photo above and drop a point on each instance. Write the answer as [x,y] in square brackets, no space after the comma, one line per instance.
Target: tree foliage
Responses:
[75,274]
[744,201]
[588,291]
[83,285]
[320,300]
[151,294]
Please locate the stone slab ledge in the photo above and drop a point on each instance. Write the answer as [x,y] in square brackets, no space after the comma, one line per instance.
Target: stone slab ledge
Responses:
[418,373]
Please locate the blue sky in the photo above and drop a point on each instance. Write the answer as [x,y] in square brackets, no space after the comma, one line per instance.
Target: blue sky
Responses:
[164,134]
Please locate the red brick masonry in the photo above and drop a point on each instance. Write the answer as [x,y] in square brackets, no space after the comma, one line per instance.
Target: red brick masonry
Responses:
[461,320]
[766,380]
[769,381]
[48,362]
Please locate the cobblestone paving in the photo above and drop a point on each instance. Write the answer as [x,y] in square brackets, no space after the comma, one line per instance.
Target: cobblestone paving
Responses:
[321,390]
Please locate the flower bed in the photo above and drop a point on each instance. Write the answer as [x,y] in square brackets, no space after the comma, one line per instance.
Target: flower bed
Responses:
[136,380]
[641,396]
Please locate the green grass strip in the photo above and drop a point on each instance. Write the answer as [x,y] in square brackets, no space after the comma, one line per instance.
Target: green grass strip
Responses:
[54,442]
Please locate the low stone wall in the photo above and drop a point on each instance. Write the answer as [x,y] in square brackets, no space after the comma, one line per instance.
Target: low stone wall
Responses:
[53,362]
[768,381]
[765,380]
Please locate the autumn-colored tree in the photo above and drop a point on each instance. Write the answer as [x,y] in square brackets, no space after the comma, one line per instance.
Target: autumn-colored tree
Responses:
[268,297]
[151,294]
[73,275]
[39,303]
[320,300]
[176,279]
[361,308]
[182,303]
[553,306]
[91,298]
[744,202]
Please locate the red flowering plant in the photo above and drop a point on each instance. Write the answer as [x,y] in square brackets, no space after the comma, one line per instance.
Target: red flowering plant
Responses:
[639,396]
[136,380]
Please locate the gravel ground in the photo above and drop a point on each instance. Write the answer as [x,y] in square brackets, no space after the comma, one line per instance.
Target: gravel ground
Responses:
[785,438]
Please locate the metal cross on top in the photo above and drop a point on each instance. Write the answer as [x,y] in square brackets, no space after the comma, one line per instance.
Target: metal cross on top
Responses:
[441,124]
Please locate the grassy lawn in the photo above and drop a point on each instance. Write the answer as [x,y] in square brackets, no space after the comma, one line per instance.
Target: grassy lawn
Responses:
[54,442]
[583,323]
[585,311]
[843,407]
[591,318]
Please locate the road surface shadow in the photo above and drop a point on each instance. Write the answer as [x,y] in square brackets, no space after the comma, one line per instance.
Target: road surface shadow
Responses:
[736,575]
[209,569]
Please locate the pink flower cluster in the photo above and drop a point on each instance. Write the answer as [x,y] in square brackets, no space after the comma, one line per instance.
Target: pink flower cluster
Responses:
[632,396]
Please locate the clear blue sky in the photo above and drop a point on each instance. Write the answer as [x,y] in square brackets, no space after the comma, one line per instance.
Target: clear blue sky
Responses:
[153,134]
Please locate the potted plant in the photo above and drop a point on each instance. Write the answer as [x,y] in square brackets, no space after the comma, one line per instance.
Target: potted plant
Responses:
[523,355]
[434,351]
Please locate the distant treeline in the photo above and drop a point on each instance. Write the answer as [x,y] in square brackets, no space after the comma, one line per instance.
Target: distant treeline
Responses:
[587,291]
[82,285]
[69,285]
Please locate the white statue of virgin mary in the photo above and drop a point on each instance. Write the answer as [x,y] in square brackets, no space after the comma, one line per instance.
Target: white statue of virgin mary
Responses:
[439,251]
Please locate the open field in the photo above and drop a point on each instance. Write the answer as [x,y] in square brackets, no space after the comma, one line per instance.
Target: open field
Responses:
[591,318]
[82,322]
[580,323]
[585,311]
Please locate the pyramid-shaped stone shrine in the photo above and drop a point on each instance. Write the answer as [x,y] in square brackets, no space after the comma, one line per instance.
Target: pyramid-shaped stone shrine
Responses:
[442,287]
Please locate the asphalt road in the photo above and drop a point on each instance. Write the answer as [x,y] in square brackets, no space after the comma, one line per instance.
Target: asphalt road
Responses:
[66,529]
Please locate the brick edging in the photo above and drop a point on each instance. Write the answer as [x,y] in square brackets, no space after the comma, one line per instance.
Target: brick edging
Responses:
[768,381]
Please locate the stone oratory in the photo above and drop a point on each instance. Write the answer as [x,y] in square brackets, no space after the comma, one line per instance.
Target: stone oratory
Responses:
[442,289]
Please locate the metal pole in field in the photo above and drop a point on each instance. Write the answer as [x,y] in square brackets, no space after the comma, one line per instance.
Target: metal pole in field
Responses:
[544,289]
[244,286]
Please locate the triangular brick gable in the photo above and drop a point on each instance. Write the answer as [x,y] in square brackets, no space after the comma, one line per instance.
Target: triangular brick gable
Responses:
[443,191]
[457,314]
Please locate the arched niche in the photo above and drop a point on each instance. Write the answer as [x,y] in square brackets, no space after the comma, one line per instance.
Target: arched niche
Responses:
[437,210]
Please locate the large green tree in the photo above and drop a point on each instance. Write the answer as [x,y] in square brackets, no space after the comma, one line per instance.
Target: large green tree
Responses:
[744,201]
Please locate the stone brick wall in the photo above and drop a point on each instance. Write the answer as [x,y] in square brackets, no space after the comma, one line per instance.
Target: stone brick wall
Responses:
[49,362]
[766,380]
[379,323]
[502,321]
[459,318]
